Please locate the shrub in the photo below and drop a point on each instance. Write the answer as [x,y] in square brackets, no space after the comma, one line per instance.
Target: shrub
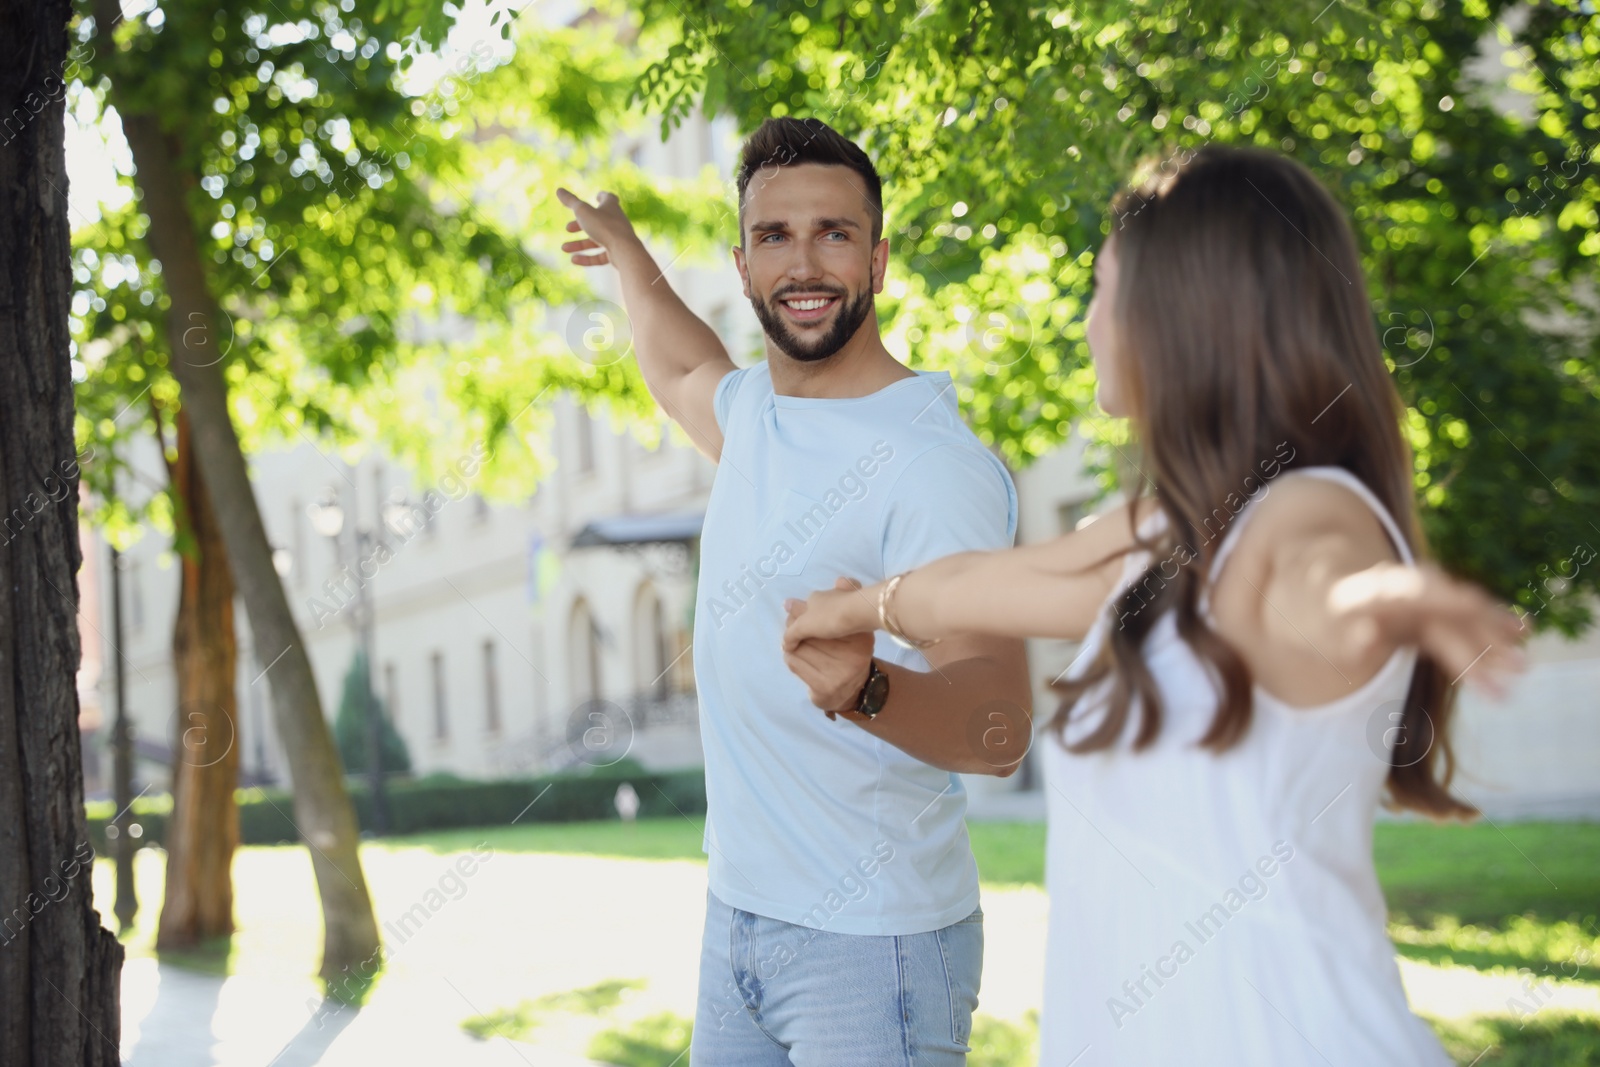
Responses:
[350,725]
[266,816]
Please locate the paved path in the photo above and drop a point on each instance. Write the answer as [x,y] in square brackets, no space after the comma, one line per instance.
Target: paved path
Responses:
[172,1017]
[521,926]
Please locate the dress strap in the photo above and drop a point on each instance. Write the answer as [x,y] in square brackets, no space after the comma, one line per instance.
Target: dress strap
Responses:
[1230,539]
[1356,485]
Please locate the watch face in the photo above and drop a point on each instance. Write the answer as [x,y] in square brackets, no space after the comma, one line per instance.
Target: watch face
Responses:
[876,694]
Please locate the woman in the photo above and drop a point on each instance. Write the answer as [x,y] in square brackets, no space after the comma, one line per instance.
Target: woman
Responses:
[1265,653]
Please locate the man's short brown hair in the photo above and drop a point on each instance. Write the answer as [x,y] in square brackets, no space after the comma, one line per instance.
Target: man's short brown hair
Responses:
[784,142]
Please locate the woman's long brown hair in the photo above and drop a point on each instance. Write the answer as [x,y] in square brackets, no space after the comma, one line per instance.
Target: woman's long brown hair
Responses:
[1248,346]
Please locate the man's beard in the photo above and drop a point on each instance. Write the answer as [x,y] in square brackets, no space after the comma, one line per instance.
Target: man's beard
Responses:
[847,320]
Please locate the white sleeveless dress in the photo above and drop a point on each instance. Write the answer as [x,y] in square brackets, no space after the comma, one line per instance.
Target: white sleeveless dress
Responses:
[1224,909]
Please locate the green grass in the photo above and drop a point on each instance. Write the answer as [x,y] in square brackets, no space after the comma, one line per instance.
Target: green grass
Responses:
[1483,896]
[1517,896]
[1487,896]
[1008,853]
[668,838]
[1509,897]
[1559,1041]
[1547,1040]
[520,1022]
[1483,872]
[658,1040]
[998,1043]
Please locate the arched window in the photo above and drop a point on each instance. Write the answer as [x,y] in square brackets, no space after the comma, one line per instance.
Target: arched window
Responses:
[650,656]
[583,654]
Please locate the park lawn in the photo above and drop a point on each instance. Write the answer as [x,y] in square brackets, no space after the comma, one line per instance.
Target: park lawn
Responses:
[1477,901]
[1008,853]
[1484,895]
[1499,899]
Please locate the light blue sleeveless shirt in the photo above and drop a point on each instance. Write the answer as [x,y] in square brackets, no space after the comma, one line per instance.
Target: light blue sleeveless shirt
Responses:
[811,820]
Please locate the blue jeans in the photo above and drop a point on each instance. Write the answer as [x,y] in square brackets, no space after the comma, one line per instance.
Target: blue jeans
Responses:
[775,994]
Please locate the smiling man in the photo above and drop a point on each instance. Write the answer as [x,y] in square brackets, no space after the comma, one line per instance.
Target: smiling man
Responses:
[842,917]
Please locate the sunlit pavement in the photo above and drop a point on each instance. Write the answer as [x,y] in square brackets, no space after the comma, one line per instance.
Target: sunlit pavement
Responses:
[521,926]
[173,1017]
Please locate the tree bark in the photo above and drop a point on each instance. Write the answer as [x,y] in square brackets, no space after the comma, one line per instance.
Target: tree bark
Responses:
[196,329]
[59,968]
[204,828]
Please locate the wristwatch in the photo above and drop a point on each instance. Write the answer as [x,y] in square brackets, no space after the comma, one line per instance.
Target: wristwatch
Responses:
[875,693]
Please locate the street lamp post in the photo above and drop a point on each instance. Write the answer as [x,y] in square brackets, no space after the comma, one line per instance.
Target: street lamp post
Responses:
[126,906]
[328,518]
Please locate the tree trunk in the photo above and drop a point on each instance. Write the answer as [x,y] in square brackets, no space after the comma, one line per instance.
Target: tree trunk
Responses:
[204,829]
[196,329]
[59,969]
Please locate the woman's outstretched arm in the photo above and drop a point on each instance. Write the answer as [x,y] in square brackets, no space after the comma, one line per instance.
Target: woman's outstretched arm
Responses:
[1051,589]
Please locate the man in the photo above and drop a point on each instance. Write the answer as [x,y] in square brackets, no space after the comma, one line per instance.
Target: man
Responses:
[842,918]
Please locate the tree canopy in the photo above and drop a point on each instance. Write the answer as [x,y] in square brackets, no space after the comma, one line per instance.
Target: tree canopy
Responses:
[1002,129]
[374,239]
[342,209]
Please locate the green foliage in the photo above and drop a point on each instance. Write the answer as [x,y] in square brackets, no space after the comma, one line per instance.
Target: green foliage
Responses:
[376,234]
[341,199]
[350,724]
[1001,130]
[266,815]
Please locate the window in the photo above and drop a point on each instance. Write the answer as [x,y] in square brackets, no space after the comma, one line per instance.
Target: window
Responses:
[585,441]
[650,645]
[379,534]
[297,541]
[441,720]
[583,663]
[491,690]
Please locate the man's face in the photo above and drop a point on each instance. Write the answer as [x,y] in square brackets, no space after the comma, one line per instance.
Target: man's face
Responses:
[809,266]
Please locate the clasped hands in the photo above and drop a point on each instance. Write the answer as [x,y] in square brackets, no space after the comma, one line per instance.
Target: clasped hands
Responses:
[828,644]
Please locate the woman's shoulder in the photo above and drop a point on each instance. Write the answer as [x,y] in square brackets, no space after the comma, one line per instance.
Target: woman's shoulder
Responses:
[1298,507]
[1267,597]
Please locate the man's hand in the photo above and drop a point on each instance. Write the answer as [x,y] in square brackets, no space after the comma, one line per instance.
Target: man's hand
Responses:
[606,228]
[681,358]
[833,669]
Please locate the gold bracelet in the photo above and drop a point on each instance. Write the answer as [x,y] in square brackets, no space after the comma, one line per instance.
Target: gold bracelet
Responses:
[883,602]
[890,625]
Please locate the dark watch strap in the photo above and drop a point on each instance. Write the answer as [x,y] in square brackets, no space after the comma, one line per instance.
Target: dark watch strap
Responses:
[876,684]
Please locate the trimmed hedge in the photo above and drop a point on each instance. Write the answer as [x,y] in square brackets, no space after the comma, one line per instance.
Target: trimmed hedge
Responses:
[440,802]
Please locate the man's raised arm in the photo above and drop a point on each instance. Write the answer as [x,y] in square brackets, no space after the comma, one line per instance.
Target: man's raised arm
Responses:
[681,357]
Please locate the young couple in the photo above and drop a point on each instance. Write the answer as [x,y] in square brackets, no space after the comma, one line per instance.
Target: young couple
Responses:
[1261,660]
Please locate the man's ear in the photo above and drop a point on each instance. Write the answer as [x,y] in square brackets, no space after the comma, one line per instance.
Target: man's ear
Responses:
[744,271]
[880,264]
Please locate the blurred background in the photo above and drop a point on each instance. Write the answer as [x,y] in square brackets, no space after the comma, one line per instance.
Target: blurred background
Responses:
[487,536]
